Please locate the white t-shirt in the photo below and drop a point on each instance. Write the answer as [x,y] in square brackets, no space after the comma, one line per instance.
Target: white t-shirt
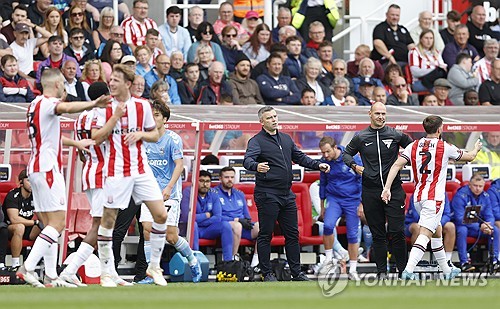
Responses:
[24,55]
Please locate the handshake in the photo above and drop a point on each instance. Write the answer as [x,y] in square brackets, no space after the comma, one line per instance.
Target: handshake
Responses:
[246,223]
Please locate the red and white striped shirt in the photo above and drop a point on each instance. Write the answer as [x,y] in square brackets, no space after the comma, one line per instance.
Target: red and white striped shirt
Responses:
[124,159]
[44,131]
[94,168]
[483,67]
[135,32]
[429,161]
[422,64]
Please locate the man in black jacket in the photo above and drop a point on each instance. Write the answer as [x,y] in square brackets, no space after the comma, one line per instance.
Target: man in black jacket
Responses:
[270,153]
[379,146]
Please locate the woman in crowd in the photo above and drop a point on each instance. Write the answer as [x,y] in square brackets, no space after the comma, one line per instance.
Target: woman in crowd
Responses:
[312,68]
[205,35]
[189,87]
[112,53]
[392,71]
[103,32]
[340,89]
[159,92]
[143,56]
[92,72]
[258,46]
[77,19]
[53,24]
[13,87]
[204,58]
[230,46]
[351,100]
[250,22]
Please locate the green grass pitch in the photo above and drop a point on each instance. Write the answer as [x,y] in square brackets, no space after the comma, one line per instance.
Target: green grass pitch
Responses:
[306,295]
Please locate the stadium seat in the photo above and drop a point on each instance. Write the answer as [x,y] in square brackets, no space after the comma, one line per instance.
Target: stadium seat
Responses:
[5,187]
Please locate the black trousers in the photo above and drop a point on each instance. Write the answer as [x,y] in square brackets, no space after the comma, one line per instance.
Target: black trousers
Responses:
[272,207]
[123,220]
[4,241]
[377,213]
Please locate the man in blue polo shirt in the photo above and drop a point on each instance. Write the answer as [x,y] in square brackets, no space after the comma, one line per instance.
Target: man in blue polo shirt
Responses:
[235,211]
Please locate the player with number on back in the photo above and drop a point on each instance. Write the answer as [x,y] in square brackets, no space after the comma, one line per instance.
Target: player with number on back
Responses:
[428,158]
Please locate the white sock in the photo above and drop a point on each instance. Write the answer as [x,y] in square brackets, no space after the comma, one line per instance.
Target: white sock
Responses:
[353,266]
[255,260]
[440,255]
[329,254]
[157,239]
[147,250]
[50,260]
[81,255]
[47,237]
[105,249]
[448,255]
[2,265]
[15,262]
[417,252]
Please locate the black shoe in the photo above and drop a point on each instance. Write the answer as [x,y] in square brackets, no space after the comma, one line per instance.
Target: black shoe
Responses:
[382,276]
[301,277]
[496,267]
[467,267]
[270,277]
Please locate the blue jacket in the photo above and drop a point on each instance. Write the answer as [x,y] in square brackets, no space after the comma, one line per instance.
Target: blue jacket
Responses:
[412,215]
[215,48]
[494,192]
[230,56]
[207,94]
[292,64]
[234,206]
[272,89]
[183,39]
[151,77]
[341,182]
[464,197]
[210,203]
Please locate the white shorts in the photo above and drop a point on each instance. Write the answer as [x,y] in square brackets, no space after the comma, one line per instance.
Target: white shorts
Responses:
[173,212]
[96,200]
[431,213]
[49,191]
[118,190]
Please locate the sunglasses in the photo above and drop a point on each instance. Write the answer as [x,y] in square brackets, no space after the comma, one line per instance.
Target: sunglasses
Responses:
[207,33]
[78,38]
[231,35]
[76,14]
[117,34]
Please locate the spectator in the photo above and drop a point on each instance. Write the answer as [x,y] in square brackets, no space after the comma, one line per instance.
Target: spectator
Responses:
[230,47]
[308,97]
[160,71]
[129,61]
[366,69]
[174,36]
[154,43]
[208,223]
[19,15]
[261,68]
[430,100]
[426,63]
[364,94]
[177,67]
[317,36]
[55,59]
[284,19]
[361,52]
[78,19]
[103,33]
[143,56]
[116,33]
[250,22]
[351,100]
[137,88]
[245,89]
[159,92]
[461,79]
[226,15]
[479,29]
[307,12]
[82,4]
[339,67]
[400,94]
[112,53]
[295,59]
[340,89]
[379,95]
[275,88]
[490,153]
[485,64]
[215,86]
[74,88]
[459,46]
[471,98]
[285,32]
[77,48]
[204,58]
[53,24]
[242,7]
[325,54]
[392,71]
[195,17]
[205,35]
[136,25]
[489,91]
[235,212]
[452,20]
[312,68]
[425,23]
[391,41]
[189,87]
[473,194]
[92,72]
[441,90]
[13,87]
[36,12]
[20,212]
[258,46]
[23,47]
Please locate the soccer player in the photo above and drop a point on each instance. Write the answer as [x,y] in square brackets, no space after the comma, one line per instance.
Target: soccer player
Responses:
[124,126]
[44,173]
[429,157]
[165,159]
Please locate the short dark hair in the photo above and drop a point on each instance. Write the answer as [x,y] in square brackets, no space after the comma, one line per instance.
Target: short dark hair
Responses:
[202,28]
[152,31]
[461,57]
[453,15]
[327,140]
[325,44]
[74,31]
[162,108]
[204,173]
[306,90]
[278,48]
[432,123]
[394,6]
[210,159]
[292,38]
[226,169]
[174,9]
[7,58]
[140,1]
[272,56]
[55,38]
[22,175]
[21,7]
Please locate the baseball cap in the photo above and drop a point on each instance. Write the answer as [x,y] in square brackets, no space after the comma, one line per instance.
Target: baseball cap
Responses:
[367,81]
[442,82]
[21,27]
[252,14]
[128,58]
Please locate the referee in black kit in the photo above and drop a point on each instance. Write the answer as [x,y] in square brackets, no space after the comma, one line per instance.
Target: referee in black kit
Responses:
[270,153]
[378,146]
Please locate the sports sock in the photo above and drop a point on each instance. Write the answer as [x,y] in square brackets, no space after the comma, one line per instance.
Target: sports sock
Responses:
[353,266]
[417,252]
[147,250]
[440,255]
[448,255]
[182,246]
[47,237]
[81,255]
[50,261]
[15,262]
[104,246]
[255,260]
[329,254]
[157,239]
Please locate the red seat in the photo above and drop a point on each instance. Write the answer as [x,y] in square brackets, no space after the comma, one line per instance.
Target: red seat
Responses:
[409,188]
[80,219]
[310,177]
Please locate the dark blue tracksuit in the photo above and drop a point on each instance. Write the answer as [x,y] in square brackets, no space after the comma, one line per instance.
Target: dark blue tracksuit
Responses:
[234,206]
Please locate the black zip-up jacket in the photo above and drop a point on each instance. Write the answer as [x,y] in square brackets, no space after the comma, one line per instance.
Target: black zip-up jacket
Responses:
[264,148]
[379,149]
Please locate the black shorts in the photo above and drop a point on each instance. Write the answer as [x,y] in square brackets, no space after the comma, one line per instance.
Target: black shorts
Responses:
[27,232]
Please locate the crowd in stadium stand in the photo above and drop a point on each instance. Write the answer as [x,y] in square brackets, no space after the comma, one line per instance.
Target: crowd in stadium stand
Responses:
[238,59]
